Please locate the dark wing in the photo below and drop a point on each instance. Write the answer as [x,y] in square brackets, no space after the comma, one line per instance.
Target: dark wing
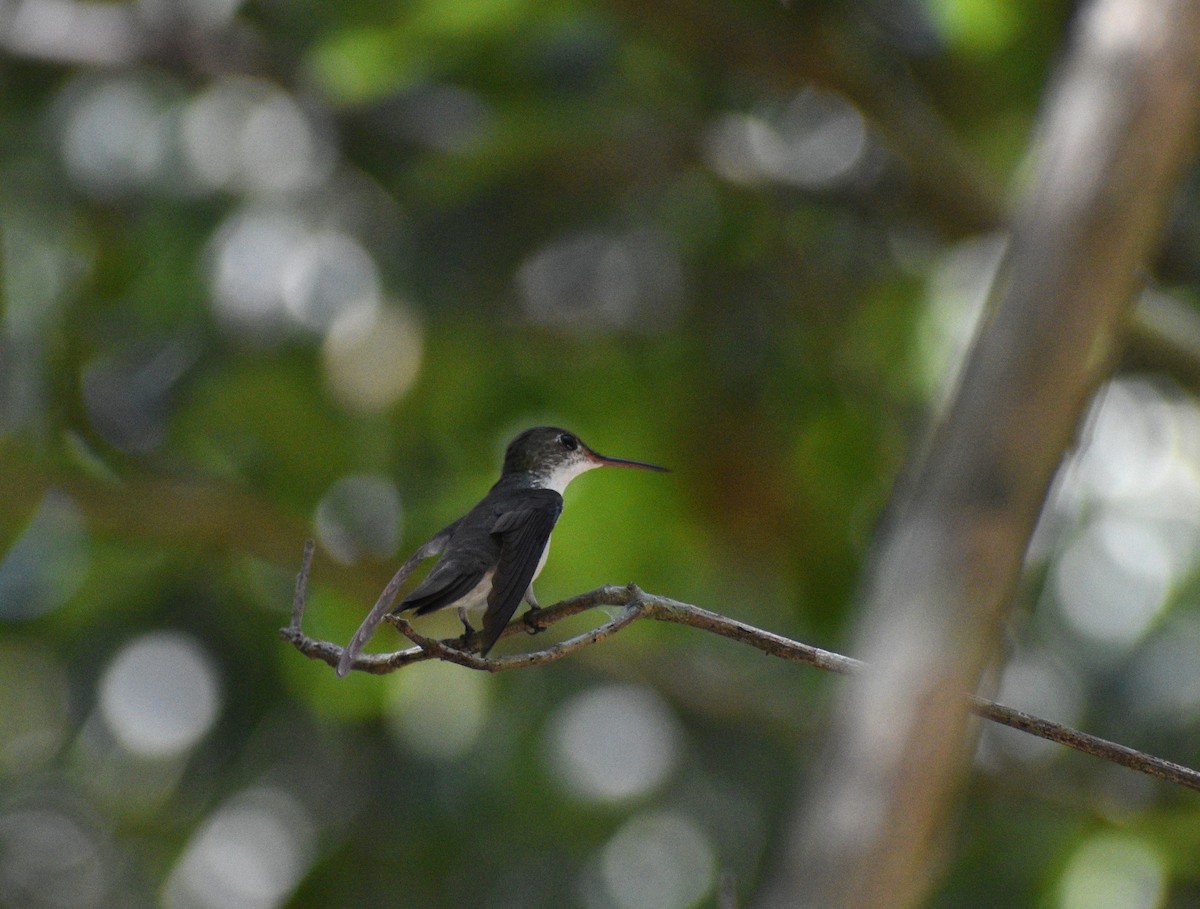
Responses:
[473,552]
[523,533]
[442,588]
[434,547]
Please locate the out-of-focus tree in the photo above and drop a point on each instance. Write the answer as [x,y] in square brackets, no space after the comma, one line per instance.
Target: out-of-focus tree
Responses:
[278,270]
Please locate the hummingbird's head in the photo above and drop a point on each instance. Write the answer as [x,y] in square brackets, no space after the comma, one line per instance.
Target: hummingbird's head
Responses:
[554,457]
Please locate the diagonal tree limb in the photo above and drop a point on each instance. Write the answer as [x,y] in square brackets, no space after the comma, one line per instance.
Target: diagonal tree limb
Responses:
[634,604]
[1117,131]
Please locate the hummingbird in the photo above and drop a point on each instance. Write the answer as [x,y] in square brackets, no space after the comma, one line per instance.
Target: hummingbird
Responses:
[493,553]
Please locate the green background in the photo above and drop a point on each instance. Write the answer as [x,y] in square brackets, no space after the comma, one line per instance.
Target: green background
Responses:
[274,270]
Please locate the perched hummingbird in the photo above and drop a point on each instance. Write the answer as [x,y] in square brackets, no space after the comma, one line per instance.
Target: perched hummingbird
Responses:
[493,553]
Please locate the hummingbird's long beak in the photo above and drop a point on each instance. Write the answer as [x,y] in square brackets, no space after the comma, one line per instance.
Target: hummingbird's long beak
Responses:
[602,461]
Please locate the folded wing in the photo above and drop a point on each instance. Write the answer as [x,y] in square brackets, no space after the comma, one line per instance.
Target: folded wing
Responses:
[523,533]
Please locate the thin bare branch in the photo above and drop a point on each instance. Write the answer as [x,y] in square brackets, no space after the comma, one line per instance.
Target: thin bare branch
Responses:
[633,610]
[634,603]
[310,546]
[1089,744]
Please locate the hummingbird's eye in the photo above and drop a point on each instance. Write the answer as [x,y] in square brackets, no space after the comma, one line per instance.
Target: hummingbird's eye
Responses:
[568,441]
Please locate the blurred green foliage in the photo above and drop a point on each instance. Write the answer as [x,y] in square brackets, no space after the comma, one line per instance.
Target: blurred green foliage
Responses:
[252,250]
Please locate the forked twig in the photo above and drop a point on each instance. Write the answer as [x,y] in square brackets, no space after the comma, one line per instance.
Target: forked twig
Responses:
[634,603]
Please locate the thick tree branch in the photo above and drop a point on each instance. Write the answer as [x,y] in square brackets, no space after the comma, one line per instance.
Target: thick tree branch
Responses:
[634,603]
[1117,131]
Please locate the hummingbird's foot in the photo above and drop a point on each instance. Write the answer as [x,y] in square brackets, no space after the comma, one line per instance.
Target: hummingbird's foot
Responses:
[468,631]
[530,619]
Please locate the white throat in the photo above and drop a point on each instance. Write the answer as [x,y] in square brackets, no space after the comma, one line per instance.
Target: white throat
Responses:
[565,473]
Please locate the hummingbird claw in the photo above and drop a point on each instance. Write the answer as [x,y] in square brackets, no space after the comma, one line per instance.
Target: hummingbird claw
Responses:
[468,632]
[531,626]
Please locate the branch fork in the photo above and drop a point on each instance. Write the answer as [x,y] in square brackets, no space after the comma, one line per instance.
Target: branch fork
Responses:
[632,603]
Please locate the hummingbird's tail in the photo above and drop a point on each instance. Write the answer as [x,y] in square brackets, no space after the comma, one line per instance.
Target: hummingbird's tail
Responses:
[384,604]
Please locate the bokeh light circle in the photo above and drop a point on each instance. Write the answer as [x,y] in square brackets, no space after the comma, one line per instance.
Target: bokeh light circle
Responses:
[658,859]
[250,854]
[439,710]
[614,743]
[1112,871]
[160,694]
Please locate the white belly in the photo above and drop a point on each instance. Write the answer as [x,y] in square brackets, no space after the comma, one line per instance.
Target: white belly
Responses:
[541,562]
[476,598]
